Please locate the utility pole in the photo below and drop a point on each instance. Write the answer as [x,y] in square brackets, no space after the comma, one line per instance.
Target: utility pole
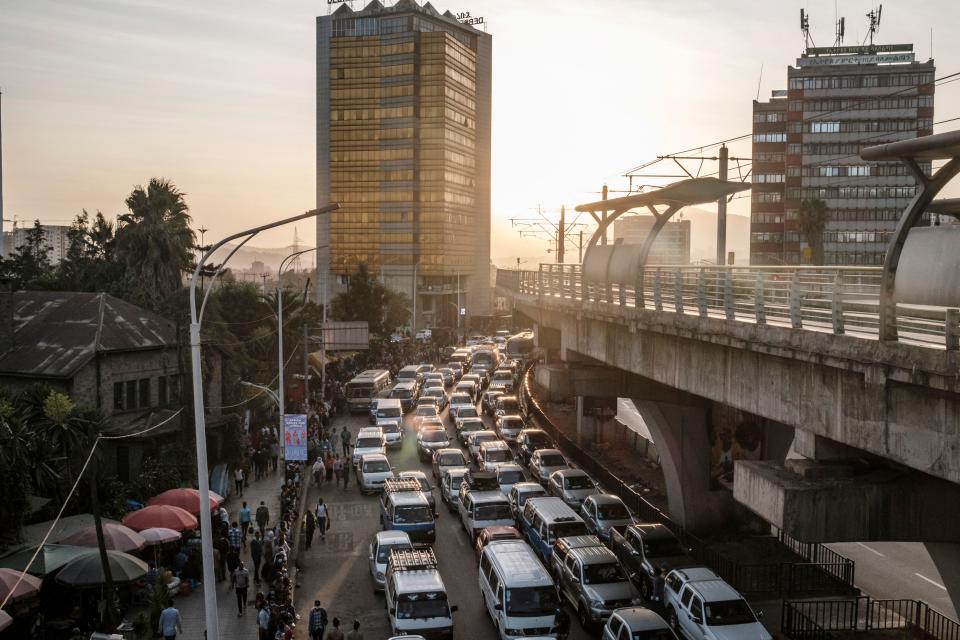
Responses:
[101,543]
[722,211]
[603,220]
[580,246]
[306,368]
[561,234]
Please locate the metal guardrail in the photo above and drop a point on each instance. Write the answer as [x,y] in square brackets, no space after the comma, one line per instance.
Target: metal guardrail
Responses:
[824,572]
[817,619]
[838,300]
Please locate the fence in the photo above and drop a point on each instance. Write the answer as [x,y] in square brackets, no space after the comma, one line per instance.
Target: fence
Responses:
[818,619]
[824,572]
[840,300]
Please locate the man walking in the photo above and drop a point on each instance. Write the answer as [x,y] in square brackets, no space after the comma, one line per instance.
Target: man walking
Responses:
[318,621]
[170,622]
[355,634]
[256,554]
[240,580]
[318,470]
[263,517]
[310,526]
[235,538]
[322,518]
[335,633]
[245,517]
[345,442]
[238,478]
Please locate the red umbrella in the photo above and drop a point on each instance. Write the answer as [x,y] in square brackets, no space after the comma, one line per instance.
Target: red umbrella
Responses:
[187,499]
[29,585]
[115,536]
[160,515]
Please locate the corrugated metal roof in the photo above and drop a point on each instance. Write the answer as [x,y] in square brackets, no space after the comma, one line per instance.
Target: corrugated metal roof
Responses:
[57,332]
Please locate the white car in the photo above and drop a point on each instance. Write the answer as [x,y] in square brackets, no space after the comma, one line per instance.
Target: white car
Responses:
[425,411]
[392,432]
[475,439]
[379,553]
[373,470]
[508,475]
[424,335]
[450,486]
[369,440]
[701,605]
[492,454]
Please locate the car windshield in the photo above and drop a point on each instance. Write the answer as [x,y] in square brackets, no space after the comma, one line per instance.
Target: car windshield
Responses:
[455,482]
[513,425]
[577,482]
[412,514]
[472,425]
[498,455]
[376,466]
[451,460]
[434,392]
[407,374]
[532,601]
[368,443]
[603,573]
[468,412]
[552,460]
[663,548]
[390,427]
[426,605]
[728,612]
[654,634]
[383,554]
[496,511]
[612,511]
[538,440]
[486,437]
[433,435]
[509,405]
[461,398]
[567,529]
[510,477]
[400,394]
[429,410]
[392,412]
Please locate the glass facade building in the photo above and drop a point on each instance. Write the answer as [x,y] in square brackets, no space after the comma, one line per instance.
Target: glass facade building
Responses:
[403,144]
[807,142]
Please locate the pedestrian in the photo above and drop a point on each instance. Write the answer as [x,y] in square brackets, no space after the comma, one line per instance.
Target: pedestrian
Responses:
[263,621]
[355,634]
[223,547]
[240,580]
[323,518]
[238,480]
[263,516]
[310,525]
[328,464]
[245,517]
[235,537]
[317,622]
[318,471]
[170,623]
[274,453]
[656,593]
[338,468]
[335,633]
[256,554]
[345,441]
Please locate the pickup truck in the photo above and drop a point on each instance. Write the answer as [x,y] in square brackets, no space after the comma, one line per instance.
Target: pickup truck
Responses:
[701,606]
[644,548]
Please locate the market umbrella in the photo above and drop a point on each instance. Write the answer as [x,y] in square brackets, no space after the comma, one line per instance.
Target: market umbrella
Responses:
[5,620]
[160,515]
[186,499]
[87,570]
[115,536]
[159,535]
[29,586]
[50,558]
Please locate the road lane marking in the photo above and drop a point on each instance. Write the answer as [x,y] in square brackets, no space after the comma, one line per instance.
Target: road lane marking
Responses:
[871,550]
[933,582]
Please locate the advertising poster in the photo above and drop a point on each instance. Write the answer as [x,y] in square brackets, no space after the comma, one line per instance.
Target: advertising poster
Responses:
[295,437]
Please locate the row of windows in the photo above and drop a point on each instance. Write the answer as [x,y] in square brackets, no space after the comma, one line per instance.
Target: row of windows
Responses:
[372,93]
[428,133]
[768,116]
[766,236]
[768,156]
[371,72]
[367,195]
[452,177]
[448,49]
[779,237]
[862,81]
[854,257]
[825,193]
[371,51]
[838,215]
[767,177]
[842,171]
[402,175]
[449,92]
[380,113]
[859,126]
[769,137]
[368,155]
[767,196]
[767,218]
[850,104]
[135,394]
[366,134]
[429,221]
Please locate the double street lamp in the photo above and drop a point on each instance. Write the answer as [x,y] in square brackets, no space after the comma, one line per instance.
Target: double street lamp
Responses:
[211,614]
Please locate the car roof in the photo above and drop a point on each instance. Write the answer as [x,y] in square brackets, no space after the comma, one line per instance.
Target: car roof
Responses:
[605,498]
[373,456]
[553,509]
[577,542]
[642,619]
[494,444]
[566,473]
[405,384]
[411,367]
[500,529]
[512,416]
[524,487]
[413,474]
[544,452]
[594,554]
[510,466]
[518,562]
[453,471]
[697,574]
[419,580]
[407,498]
[368,432]
[715,591]
[392,536]
[488,496]
[476,434]
[654,531]
[440,452]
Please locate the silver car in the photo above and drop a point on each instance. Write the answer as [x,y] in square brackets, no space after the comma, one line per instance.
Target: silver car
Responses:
[573,486]
[379,553]
[594,583]
[543,462]
[603,512]
[450,486]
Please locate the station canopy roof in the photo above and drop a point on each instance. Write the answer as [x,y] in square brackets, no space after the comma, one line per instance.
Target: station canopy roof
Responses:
[684,193]
[941,146]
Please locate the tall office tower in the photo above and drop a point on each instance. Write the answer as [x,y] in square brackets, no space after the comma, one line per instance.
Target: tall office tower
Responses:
[672,245]
[403,144]
[807,142]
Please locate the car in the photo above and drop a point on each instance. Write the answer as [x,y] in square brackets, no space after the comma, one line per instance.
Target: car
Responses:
[423,369]
[457,369]
[429,440]
[379,553]
[507,406]
[450,486]
[505,378]
[509,474]
[509,428]
[372,471]
[415,596]
[437,395]
[458,401]
[469,387]
[701,605]
[373,410]
[369,440]
[648,548]
[543,462]
[489,399]
[492,454]
[405,507]
[406,391]
[392,432]
[444,459]
[464,413]
[572,486]
[449,376]
[604,512]
[467,426]
[530,440]
[563,546]
[519,494]
[425,487]
[423,335]
[432,422]
[475,439]
[492,534]
[423,411]
[480,481]
[481,509]
[594,584]
[637,622]
[479,375]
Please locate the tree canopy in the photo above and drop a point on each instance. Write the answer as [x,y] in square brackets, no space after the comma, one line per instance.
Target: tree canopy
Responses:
[366,298]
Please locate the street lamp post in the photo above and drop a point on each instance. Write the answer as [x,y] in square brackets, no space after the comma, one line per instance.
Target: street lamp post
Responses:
[211,614]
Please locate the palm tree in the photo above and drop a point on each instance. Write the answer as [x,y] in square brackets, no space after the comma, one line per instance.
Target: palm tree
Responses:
[155,241]
[813,217]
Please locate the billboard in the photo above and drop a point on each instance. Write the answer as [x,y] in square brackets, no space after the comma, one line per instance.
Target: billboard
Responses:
[295,437]
[346,336]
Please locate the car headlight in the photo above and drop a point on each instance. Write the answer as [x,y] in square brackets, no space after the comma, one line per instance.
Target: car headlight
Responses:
[637,601]
[379,575]
[596,603]
[513,632]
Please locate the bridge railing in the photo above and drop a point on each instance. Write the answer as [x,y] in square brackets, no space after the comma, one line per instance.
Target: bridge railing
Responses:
[838,300]
[816,619]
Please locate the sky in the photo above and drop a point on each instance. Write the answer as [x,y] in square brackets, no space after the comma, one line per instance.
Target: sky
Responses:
[219,96]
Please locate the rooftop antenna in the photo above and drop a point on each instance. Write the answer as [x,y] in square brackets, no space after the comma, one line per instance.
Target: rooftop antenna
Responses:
[805,28]
[841,27]
[874,17]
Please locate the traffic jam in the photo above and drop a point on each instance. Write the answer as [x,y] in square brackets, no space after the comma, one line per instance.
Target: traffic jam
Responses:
[555,555]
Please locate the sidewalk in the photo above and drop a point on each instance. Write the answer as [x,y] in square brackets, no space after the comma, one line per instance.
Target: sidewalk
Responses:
[191,606]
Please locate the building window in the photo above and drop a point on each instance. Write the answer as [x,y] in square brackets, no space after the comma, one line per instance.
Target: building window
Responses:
[824,127]
[130,395]
[118,396]
[769,137]
[162,399]
[143,393]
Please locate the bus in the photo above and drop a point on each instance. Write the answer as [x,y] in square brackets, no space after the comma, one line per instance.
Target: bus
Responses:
[366,387]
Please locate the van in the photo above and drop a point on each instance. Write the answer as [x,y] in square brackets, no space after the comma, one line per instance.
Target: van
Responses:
[518,593]
[481,509]
[409,374]
[406,392]
[469,387]
[369,440]
[389,409]
[404,507]
[545,520]
[415,596]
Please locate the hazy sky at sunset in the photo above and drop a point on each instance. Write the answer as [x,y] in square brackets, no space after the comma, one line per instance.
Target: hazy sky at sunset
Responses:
[100,95]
